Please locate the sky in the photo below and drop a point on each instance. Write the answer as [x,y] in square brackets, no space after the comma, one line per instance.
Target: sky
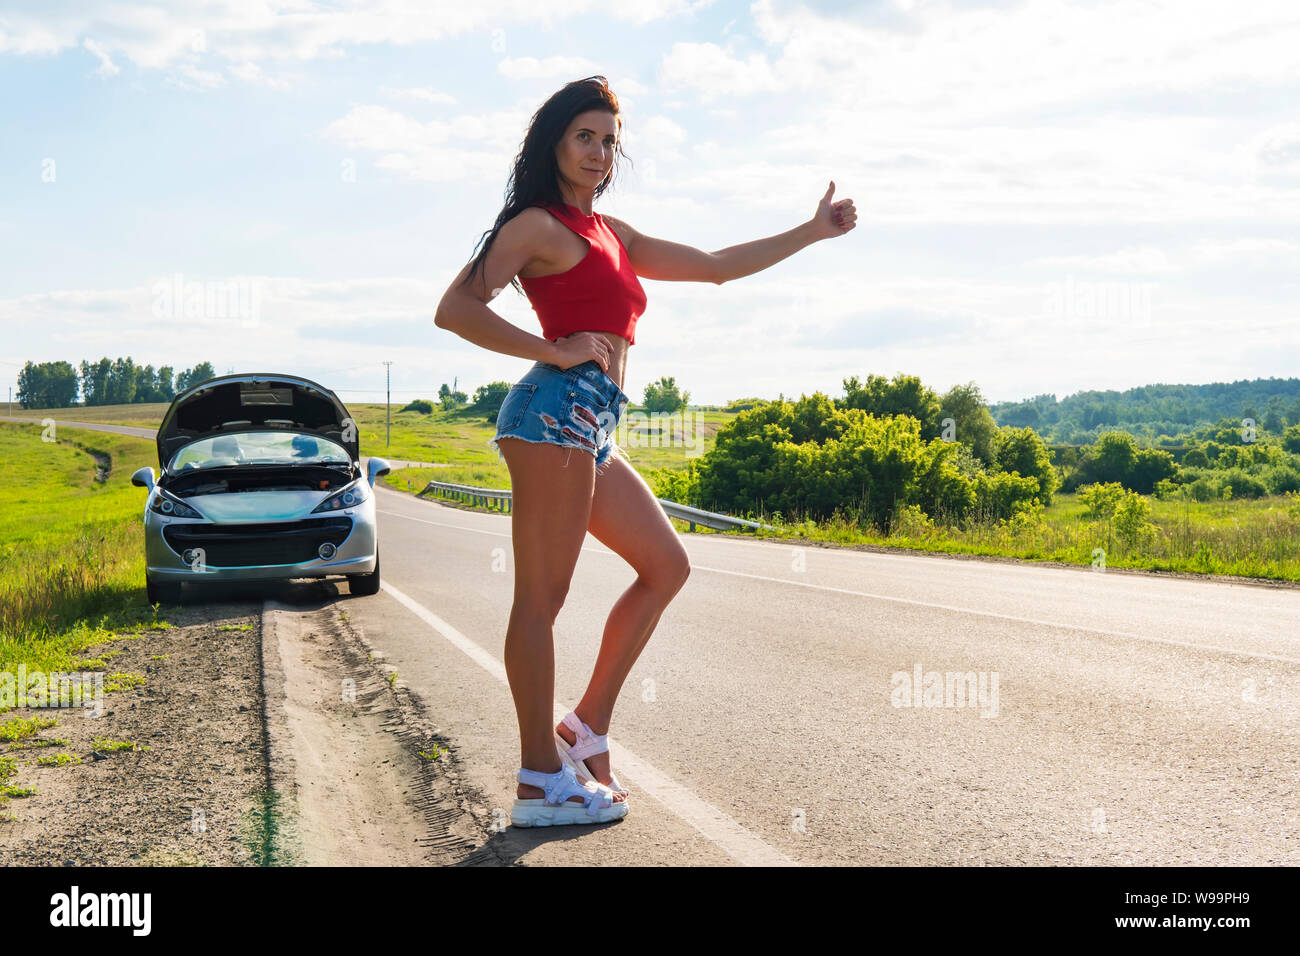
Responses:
[1051,197]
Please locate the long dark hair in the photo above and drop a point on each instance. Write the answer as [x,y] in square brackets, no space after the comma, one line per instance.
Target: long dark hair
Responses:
[536,176]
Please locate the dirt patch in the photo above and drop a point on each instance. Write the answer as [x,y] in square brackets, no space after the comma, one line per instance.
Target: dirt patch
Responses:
[364,777]
[261,734]
[195,796]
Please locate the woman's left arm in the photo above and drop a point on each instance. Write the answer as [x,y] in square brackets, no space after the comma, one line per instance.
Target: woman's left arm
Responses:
[659,259]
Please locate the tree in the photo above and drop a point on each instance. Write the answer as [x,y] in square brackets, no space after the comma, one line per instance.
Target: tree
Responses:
[166,383]
[903,395]
[94,382]
[1115,453]
[1273,420]
[1021,452]
[121,382]
[194,376]
[450,400]
[147,388]
[973,425]
[47,385]
[488,399]
[662,396]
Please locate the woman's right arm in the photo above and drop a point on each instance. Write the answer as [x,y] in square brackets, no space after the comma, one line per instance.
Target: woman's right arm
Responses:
[463,308]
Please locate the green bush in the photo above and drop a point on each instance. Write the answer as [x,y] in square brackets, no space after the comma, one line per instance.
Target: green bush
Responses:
[1281,479]
[1021,451]
[677,484]
[1102,499]
[1131,519]
[910,521]
[1243,484]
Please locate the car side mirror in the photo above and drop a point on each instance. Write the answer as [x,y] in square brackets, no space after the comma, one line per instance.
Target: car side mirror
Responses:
[377,467]
[143,478]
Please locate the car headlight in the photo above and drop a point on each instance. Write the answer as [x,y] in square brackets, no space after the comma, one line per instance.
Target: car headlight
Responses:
[349,497]
[167,504]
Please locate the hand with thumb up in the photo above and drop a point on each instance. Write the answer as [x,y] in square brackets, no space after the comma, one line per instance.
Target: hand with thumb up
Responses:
[834,218]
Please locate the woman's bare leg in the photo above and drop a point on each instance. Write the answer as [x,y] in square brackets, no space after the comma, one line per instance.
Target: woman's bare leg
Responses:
[628,519]
[551,493]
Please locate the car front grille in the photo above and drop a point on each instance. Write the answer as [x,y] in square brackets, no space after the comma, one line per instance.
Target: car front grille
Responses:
[255,545]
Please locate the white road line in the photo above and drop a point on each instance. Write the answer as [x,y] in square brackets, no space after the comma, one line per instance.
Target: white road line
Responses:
[942,607]
[737,842]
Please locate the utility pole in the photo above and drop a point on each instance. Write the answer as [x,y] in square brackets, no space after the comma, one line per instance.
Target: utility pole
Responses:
[387,402]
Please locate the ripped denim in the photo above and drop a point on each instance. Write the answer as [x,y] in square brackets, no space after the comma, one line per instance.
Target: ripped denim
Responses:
[579,407]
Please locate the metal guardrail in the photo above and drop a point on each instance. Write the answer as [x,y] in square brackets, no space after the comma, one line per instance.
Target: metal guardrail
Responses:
[501,496]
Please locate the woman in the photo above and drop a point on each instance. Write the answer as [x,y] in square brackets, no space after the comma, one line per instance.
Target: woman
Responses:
[555,426]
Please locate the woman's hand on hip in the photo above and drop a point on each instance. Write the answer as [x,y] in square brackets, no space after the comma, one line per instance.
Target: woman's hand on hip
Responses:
[582,347]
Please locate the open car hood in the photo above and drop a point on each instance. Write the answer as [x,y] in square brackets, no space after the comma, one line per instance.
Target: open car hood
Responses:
[260,401]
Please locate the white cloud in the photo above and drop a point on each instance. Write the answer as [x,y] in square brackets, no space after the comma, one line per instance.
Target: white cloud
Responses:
[1046,112]
[186,33]
[712,72]
[106,66]
[624,85]
[1248,249]
[1129,260]
[425,93]
[468,148]
[658,133]
[250,72]
[531,68]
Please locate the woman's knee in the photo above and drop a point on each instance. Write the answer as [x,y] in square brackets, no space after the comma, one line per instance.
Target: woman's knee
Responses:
[683,570]
[670,573]
[539,606]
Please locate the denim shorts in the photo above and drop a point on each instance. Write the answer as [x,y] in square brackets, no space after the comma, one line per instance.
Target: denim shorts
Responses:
[578,407]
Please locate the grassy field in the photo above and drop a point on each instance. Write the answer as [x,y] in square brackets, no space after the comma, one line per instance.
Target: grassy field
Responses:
[71,548]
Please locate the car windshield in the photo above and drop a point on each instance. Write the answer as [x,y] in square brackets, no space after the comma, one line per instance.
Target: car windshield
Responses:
[258,448]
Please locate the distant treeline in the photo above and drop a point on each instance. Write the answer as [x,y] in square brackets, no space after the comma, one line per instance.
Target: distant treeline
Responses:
[1156,412]
[106,382]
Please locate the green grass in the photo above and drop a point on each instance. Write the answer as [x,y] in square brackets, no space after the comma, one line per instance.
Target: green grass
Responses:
[71,548]
[39,743]
[1248,538]
[104,745]
[17,728]
[58,760]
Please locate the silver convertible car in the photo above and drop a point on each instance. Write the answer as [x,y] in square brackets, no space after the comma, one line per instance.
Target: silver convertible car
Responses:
[260,480]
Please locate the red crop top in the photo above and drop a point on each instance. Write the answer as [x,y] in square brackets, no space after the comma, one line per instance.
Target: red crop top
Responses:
[600,294]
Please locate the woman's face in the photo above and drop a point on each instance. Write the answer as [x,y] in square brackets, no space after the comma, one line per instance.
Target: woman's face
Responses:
[585,154]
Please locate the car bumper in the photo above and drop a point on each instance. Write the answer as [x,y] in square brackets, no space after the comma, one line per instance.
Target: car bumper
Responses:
[258,552]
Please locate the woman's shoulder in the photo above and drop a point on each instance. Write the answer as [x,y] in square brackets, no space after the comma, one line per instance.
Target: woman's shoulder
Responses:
[530,222]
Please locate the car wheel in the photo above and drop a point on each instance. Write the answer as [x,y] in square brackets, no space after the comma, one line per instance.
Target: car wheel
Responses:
[365,583]
[160,593]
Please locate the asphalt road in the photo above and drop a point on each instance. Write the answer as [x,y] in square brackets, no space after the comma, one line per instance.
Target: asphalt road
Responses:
[1124,718]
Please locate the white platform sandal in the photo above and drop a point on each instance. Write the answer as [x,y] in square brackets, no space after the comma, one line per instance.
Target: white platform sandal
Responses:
[555,809]
[586,743]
